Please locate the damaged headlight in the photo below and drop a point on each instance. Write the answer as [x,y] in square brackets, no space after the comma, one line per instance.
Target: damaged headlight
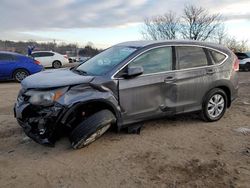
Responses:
[45,98]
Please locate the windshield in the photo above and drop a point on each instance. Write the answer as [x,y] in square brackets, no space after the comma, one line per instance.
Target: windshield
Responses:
[106,60]
[248,54]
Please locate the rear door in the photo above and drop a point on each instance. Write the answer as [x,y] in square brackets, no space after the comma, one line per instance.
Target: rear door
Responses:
[193,77]
[7,65]
[147,95]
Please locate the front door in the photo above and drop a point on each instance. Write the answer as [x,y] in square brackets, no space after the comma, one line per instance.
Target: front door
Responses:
[7,64]
[148,95]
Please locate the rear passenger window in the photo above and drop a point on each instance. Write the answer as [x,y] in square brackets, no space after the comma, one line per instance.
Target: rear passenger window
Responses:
[35,55]
[42,54]
[6,57]
[190,57]
[217,57]
[154,61]
[47,54]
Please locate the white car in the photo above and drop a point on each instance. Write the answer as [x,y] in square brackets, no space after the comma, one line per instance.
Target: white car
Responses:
[244,60]
[50,59]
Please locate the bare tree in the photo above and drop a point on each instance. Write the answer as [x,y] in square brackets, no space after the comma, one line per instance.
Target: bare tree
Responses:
[235,45]
[198,24]
[161,27]
[220,34]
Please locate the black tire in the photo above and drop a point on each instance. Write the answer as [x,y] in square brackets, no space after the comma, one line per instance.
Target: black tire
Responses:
[56,64]
[20,74]
[206,113]
[96,122]
[247,66]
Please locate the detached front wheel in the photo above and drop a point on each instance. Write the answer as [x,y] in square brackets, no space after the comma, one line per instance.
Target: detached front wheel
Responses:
[91,129]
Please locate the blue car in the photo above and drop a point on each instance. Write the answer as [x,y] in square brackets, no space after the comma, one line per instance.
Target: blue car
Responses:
[14,66]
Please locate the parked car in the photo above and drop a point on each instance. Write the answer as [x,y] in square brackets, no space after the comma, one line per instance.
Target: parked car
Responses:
[244,60]
[82,59]
[72,59]
[16,66]
[78,59]
[50,59]
[128,83]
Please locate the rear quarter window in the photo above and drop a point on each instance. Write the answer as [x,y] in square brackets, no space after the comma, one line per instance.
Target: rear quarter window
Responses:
[217,57]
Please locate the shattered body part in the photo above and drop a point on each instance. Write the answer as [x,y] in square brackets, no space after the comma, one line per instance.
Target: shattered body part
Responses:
[45,124]
[39,123]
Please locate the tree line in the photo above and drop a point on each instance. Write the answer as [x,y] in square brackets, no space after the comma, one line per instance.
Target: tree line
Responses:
[195,23]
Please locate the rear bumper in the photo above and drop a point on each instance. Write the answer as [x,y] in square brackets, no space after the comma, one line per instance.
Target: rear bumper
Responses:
[39,68]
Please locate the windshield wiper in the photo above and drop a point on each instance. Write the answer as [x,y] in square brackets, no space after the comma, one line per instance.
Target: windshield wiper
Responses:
[81,72]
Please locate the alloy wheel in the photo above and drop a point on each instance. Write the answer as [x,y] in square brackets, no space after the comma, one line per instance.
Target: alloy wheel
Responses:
[216,105]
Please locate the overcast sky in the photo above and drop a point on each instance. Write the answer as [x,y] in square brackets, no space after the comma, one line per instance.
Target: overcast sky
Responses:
[103,22]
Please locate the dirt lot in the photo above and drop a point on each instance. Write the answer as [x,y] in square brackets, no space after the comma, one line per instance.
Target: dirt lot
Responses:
[176,152]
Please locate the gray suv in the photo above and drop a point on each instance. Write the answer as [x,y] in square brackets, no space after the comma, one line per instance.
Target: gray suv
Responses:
[128,83]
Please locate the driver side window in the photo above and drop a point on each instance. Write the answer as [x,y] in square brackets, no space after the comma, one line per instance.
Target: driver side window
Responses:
[154,61]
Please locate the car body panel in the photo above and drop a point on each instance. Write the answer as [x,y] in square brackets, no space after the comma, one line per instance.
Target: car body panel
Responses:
[136,99]
[54,78]
[244,61]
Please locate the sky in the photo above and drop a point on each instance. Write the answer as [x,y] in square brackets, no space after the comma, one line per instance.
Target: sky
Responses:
[104,22]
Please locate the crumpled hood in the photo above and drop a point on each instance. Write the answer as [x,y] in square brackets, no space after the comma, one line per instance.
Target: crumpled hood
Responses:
[54,78]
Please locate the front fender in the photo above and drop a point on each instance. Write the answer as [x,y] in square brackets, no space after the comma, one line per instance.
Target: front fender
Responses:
[80,95]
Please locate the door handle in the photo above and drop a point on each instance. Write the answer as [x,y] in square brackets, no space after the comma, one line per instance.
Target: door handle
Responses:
[169,79]
[210,71]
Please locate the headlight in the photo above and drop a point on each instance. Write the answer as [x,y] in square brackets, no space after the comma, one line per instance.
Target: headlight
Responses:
[45,98]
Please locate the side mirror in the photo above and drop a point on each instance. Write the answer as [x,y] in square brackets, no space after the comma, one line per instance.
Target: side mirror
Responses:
[133,71]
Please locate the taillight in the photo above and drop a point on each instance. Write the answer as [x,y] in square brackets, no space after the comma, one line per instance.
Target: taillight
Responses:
[65,56]
[236,65]
[37,62]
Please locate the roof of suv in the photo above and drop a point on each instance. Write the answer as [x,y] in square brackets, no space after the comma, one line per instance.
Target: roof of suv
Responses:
[144,43]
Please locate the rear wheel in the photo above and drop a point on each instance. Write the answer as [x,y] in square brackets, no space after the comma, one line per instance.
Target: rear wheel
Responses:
[20,74]
[247,66]
[214,105]
[56,64]
[91,129]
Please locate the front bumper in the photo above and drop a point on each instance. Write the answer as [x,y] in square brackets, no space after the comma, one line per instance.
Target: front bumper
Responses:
[36,137]
[39,123]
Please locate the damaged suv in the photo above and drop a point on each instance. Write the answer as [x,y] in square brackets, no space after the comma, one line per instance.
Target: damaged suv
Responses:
[126,84]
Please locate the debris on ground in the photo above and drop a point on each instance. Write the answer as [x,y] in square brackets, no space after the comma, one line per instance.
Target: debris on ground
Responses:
[243,130]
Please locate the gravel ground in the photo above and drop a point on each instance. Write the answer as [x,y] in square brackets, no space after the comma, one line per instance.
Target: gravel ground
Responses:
[179,152]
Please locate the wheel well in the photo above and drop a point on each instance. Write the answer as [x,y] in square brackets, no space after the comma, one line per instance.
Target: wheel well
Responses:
[84,110]
[228,93]
[56,61]
[17,70]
